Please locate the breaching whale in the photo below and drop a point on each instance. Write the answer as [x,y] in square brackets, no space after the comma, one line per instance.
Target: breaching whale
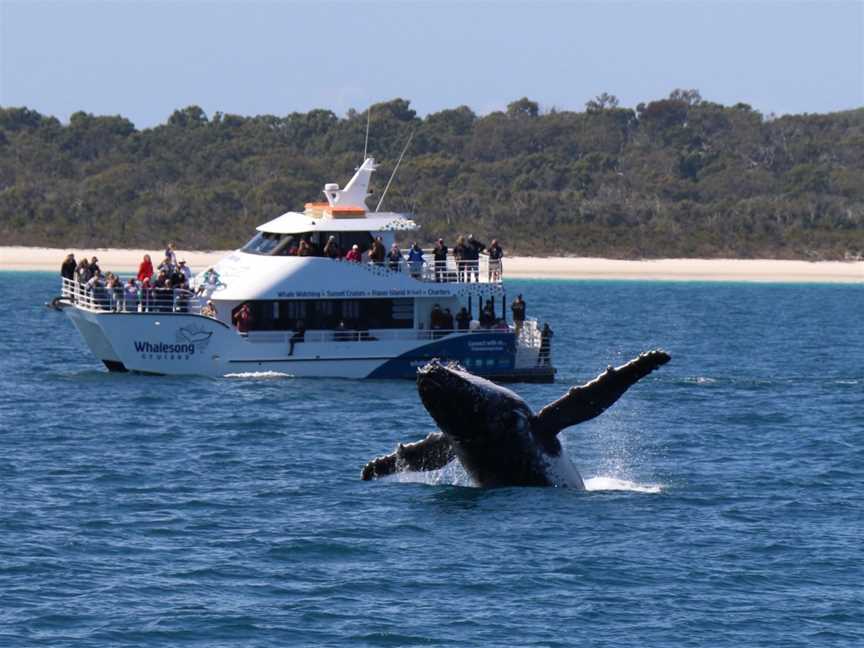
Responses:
[493,432]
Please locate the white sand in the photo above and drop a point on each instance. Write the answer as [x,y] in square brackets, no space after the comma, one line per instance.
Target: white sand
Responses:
[24,258]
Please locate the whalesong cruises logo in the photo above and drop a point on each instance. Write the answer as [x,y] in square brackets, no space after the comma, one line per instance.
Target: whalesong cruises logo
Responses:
[189,341]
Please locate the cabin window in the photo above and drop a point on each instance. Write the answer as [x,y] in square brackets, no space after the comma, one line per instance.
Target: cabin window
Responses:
[358,314]
[347,240]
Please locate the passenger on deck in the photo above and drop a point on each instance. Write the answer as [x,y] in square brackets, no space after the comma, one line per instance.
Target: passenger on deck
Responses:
[165,297]
[518,308]
[473,248]
[209,282]
[146,295]
[166,266]
[487,315]
[83,273]
[113,291]
[437,321]
[447,320]
[170,255]
[304,249]
[94,266]
[67,270]
[459,253]
[96,287]
[495,255]
[299,335]
[394,258]
[353,254]
[377,252]
[145,270]
[439,253]
[132,296]
[177,277]
[186,272]
[95,280]
[209,310]
[331,250]
[243,319]
[181,298]
[463,319]
[415,260]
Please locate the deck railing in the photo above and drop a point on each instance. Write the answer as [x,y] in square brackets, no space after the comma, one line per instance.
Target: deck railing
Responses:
[482,270]
[120,299]
[529,336]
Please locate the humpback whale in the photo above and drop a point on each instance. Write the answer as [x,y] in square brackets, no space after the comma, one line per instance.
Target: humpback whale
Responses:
[493,432]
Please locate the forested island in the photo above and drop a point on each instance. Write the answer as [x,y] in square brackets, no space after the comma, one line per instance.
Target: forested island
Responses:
[675,177]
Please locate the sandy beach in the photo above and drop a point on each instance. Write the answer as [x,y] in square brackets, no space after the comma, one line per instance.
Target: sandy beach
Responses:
[762,270]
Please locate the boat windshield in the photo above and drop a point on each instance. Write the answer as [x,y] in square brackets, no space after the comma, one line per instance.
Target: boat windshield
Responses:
[265,243]
[273,244]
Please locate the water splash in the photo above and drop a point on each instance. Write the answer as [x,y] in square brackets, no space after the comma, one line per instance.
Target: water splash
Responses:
[453,474]
[607,483]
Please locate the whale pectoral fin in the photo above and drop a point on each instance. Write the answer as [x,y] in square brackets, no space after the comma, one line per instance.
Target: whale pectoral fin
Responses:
[431,453]
[595,397]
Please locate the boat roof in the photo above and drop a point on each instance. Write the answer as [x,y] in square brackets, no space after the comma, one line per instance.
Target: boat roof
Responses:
[298,223]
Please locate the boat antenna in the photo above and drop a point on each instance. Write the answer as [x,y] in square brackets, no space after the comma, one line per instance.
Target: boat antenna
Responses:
[395,169]
[368,119]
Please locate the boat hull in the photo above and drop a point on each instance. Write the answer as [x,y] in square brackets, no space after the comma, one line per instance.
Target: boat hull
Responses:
[191,344]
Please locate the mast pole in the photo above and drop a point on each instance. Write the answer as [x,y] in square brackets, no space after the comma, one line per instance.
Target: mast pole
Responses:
[393,175]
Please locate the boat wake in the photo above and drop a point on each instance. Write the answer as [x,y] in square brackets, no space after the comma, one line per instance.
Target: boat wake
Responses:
[258,375]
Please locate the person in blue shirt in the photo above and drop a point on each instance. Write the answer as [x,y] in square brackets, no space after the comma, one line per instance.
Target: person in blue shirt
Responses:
[415,260]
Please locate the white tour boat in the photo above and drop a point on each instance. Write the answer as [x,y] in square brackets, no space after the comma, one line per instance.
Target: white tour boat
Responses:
[311,315]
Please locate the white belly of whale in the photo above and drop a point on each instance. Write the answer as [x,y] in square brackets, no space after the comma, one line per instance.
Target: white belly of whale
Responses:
[562,472]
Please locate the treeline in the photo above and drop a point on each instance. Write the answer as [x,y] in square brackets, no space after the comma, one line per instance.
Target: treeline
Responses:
[677,177]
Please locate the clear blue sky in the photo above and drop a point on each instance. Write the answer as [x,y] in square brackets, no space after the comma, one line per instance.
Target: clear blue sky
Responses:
[145,59]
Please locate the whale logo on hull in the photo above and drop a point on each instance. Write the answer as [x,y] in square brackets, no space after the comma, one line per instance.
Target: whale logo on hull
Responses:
[197,335]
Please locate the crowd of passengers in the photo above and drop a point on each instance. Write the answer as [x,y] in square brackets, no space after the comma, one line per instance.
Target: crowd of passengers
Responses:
[165,288]
[466,253]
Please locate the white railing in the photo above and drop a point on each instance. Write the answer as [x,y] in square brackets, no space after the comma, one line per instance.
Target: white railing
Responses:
[120,299]
[376,335]
[529,337]
[482,270]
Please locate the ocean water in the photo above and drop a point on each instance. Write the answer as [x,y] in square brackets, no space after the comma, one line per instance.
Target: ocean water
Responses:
[725,503]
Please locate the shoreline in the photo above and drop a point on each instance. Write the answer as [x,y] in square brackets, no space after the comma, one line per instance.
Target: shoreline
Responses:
[735,270]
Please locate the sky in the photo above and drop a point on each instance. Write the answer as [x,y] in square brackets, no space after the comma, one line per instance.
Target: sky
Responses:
[145,59]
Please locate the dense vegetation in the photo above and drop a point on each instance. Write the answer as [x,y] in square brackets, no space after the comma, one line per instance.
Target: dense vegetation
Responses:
[674,177]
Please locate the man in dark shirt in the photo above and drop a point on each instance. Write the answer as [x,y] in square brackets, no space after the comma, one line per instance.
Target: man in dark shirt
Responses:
[474,248]
[463,319]
[67,270]
[495,255]
[518,308]
[439,253]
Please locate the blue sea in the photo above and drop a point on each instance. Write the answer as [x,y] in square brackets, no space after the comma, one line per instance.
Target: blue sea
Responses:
[725,503]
